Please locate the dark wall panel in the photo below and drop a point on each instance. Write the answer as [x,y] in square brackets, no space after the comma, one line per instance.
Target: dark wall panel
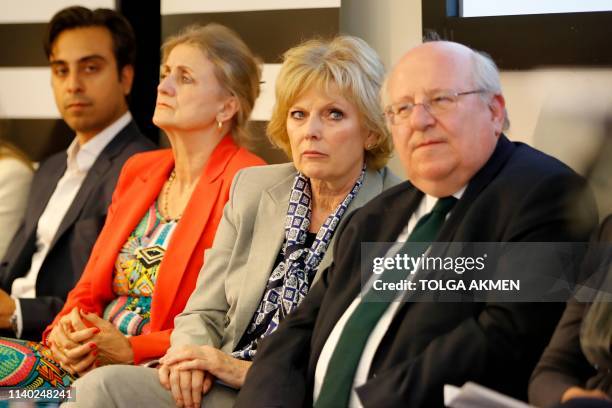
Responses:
[22,45]
[268,33]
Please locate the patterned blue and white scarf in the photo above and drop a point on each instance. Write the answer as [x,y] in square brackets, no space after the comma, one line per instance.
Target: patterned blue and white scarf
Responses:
[290,280]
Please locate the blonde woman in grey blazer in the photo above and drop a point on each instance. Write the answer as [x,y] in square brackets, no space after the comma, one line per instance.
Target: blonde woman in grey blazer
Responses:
[276,233]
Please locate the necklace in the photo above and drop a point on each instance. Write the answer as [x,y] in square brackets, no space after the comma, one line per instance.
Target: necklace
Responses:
[166,195]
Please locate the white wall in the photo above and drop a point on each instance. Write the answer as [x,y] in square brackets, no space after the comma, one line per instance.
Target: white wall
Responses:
[390,26]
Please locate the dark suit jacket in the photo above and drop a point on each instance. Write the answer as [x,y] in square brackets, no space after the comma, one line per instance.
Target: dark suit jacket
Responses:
[519,195]
[563,364]
[76,234]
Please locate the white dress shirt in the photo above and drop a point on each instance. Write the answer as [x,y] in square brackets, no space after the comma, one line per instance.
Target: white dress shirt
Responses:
[79,160]
[363,368]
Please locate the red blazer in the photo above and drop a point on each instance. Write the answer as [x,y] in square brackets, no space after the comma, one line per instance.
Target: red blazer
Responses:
[138,187]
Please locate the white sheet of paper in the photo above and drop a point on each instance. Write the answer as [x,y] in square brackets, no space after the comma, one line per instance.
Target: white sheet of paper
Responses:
[473,395]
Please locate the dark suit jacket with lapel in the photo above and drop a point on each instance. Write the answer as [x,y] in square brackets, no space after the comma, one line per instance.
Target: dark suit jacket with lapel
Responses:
[519,195]
[563,364]
[76,234]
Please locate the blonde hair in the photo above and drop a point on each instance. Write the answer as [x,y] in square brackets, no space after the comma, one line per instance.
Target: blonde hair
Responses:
[9,150]
[351,66]
[236,68]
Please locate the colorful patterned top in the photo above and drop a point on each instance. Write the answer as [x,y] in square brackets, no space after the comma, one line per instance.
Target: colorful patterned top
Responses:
[136,273]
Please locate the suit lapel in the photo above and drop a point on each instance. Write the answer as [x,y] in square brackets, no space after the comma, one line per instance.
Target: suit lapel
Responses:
[190,230]
[269,229]
[501,154]
[92,179]
[142,193]
[42,192]
[396,213]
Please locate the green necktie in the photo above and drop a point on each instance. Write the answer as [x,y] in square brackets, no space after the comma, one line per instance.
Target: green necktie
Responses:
[338,381]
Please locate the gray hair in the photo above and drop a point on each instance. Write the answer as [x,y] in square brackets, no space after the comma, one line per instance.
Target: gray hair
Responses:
[486,77]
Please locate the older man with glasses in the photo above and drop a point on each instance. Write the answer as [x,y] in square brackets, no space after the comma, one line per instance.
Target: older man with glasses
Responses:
[466,183]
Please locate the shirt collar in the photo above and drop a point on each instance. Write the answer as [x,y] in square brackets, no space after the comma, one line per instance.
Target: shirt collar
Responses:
[429,201]
[81,158]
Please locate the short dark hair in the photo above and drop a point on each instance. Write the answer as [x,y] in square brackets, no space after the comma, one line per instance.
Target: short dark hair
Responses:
[124,40]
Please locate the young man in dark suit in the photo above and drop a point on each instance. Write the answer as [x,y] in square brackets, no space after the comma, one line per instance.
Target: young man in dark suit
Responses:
[91,54]
[447,114]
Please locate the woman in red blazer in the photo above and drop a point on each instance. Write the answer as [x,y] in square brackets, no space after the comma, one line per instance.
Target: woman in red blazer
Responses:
[163,216]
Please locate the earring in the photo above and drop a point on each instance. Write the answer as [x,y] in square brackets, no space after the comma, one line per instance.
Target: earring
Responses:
[370,146]
[219,124]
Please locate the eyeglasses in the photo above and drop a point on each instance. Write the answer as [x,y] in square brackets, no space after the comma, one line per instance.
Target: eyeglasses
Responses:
[437,104]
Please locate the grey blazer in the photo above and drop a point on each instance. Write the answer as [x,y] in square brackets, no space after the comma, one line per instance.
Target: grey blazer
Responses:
[248,240]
